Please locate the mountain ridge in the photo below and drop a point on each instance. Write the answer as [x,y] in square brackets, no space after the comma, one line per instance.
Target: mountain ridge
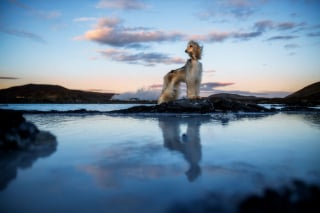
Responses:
[46,93]
[312,91]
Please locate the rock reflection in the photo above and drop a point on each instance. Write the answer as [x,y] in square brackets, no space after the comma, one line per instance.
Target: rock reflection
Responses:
[189,143]
[312,118]
[11,160]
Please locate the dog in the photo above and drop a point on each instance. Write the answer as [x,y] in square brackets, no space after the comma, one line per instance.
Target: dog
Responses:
[190,73]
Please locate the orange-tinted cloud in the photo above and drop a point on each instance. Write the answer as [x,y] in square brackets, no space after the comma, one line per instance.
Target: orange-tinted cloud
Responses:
[110,31]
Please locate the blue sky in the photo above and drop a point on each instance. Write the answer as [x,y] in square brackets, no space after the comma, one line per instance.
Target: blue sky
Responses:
[263,47]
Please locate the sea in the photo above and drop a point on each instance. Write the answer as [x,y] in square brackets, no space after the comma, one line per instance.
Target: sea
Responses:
[159,163]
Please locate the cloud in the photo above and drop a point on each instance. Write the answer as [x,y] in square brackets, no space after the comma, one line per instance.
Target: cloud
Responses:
[241,11]
[148,59]
[110,31]
[217,36]
[211,85]
[266,25]
[108,22]
[141,94]
[246,35]
[220,36]
[122,4]
[8,78]
[258,29]
[316,34]
[229,9]
[156,86]
[36,12]
[24,34]
[274,38]
[291,46]
[84,19]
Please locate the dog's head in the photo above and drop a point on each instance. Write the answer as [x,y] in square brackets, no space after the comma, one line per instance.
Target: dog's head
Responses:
[194,50]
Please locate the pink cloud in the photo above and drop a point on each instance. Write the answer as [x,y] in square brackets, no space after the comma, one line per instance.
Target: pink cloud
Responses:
[109,31]
[122,4]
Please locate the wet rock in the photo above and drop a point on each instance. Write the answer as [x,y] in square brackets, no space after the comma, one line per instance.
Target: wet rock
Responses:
[15,131]
[18,134]
[21,144]
[231,105]
[202,106]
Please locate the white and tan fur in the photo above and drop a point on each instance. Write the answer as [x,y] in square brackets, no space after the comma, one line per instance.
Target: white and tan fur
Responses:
[190,73]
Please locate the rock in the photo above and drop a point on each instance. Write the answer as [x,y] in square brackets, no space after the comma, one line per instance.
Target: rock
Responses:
[202,106]
[231,105]
[18,134]
[21,144]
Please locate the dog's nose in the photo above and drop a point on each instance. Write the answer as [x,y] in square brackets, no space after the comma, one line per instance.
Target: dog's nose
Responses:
[186,51]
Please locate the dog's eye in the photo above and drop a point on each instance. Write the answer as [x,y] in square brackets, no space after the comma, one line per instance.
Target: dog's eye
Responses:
[190,46]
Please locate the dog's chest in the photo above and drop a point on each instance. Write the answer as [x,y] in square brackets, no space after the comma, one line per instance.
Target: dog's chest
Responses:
[194,69]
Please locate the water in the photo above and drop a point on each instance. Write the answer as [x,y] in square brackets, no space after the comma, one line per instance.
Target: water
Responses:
[138,163]
[66,107]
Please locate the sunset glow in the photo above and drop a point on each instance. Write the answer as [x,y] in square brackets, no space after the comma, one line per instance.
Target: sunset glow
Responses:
[251,47]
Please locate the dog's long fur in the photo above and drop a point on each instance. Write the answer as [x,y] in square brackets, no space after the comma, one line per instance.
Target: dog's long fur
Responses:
[190,73]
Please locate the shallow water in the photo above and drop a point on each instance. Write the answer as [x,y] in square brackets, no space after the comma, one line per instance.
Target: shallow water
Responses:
[152,164]
[67,107]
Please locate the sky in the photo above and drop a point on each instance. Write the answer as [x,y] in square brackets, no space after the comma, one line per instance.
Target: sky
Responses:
[251,47]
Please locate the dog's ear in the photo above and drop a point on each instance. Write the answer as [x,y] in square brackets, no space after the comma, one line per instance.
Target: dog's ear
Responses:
[199,51]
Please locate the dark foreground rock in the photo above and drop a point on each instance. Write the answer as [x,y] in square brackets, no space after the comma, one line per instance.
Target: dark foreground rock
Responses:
[296,197]
[21,144]
[202,106]
[18,134]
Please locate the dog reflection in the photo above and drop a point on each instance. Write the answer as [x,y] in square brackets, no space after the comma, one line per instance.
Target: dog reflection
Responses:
[188,143]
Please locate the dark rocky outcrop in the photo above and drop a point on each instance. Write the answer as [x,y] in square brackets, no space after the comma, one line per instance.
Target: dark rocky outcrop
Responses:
[21,144]
[202,106]
[18,134]
[309,95]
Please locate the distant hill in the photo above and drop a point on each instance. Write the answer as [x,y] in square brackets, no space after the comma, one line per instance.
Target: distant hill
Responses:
[42,93]
[234,97]
[39,93]
[310,93]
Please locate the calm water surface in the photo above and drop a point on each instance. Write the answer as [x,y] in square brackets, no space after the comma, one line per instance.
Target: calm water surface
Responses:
[152,164]
[66,107]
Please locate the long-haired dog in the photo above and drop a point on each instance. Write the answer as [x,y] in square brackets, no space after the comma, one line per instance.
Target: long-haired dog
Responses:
[190,73]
